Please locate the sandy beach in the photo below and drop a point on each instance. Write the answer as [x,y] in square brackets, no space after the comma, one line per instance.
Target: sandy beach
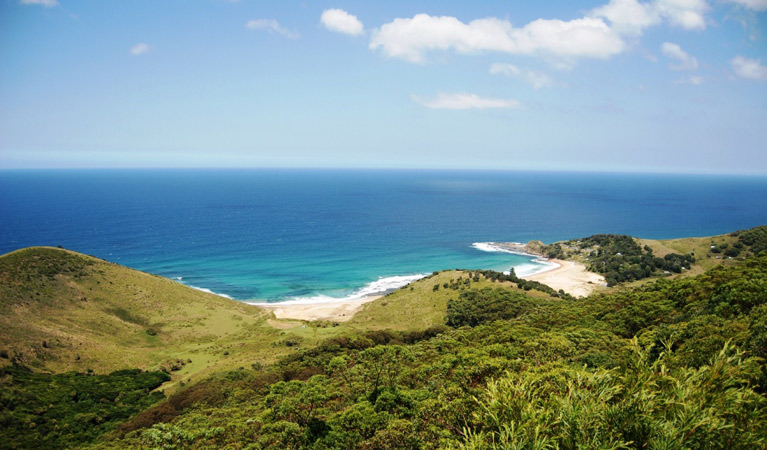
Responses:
[337,311]
[570,276]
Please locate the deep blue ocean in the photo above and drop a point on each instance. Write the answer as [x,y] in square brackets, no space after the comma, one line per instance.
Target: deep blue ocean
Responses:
[286,234]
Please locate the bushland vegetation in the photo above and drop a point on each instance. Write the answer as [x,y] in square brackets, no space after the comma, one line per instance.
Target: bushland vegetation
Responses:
[677,363]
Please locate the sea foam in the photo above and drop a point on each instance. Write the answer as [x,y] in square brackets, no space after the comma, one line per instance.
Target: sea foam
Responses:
[537,265]
[381,286]
[209,291]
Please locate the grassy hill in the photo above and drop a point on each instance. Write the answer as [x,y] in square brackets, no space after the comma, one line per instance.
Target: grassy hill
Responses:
[460,359]
[65,311]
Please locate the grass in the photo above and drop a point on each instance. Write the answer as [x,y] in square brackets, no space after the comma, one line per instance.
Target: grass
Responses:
[418,306]
[63,311]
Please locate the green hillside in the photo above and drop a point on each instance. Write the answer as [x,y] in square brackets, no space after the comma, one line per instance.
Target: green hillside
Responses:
[624,259]
[66,311]
[460,359]
[677,363]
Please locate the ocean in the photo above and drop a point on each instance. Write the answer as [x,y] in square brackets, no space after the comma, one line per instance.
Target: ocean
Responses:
[309,235]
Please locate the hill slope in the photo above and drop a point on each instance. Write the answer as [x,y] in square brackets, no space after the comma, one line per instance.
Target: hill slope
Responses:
[665,365]
[61,311]
[66,311]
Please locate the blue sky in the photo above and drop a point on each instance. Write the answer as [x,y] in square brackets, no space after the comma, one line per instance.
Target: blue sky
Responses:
[611,85]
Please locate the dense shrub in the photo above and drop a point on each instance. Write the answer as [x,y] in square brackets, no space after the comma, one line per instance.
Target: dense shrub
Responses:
[59,411]
[475,307]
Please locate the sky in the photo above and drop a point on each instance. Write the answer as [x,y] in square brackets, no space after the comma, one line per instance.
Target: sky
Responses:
[607,85]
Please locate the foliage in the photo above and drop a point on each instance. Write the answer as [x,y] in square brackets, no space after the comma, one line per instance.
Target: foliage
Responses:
[619,257]
[675,363]
[57,411]
[755,238]
[475,307]
[521,283]
[667,365]
[639,405]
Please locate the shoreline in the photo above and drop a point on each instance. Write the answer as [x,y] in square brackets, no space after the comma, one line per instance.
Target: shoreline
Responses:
[571,276]
[339,310]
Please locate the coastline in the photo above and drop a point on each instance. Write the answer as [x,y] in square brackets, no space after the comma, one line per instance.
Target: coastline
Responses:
[337,310]
[570,276]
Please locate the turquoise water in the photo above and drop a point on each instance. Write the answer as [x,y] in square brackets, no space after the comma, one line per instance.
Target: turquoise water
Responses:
[286,234]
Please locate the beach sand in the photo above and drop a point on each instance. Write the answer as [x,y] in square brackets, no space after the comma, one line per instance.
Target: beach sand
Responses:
[572,277]
[336,311]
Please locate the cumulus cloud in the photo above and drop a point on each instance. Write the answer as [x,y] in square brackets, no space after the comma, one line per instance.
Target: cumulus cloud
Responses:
[756,5]
[749,68]
[628,16]
[140,49]
[46,3]
[272,26]
[675,52]
[688,14]
[600,34]
[411,39]
[631,17]
[536,79]
[341,21]
[465,101]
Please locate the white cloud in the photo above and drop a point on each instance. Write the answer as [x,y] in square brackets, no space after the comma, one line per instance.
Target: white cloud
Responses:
[675,52]
[693,79]
[536,79]
[631,17]
[749,68]
[465,101]
[140,49]
[410,39]
[628,16]
[46,3]
[688,14]
[272,26]
[756,5]
[341,21]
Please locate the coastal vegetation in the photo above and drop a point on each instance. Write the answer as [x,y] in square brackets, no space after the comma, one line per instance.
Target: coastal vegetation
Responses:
[676,363]
[54,411]
[622,258]
[460,359]
[619,258]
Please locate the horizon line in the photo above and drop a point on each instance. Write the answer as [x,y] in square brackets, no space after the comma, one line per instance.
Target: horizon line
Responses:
[392,169]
